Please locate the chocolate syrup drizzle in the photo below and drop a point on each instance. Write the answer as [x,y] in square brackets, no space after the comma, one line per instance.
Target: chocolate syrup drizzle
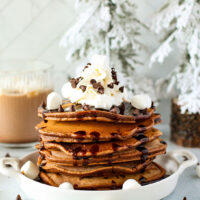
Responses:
[115,146]
[144,152]
[95,135]
[141,137]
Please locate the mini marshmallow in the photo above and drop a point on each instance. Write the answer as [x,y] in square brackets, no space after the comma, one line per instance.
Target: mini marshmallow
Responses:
[130,184]
[141,101]
[54,100]
[30,170]
[198,170]
[66,186]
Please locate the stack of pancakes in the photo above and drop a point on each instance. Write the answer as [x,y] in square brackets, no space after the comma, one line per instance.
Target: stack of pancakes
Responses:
[99,149]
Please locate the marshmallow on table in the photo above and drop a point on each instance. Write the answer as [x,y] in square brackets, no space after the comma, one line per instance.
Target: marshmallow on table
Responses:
[198,170]
[66,186]
[141,101]
[130,184]
[30,170]
[54,100]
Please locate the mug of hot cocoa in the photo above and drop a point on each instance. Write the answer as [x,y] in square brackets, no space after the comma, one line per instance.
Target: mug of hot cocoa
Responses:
[23,86]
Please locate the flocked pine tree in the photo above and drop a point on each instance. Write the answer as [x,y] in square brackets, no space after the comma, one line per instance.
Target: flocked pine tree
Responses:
[109,27]
[178,21]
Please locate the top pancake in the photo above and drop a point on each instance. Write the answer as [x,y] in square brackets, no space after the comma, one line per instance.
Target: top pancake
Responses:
[125,113]
[83,132]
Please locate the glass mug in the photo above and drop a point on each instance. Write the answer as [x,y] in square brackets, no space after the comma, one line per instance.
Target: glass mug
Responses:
[23,86]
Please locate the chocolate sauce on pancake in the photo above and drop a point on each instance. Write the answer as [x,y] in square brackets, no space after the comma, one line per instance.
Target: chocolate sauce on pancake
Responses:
[114,134]
[85,161]
[142,180]
[142,127]
[163,142]
[43,116]
[95,135]
[144,152]
[80,133]
[94,149]
[41,156]
[41,165]
[122,109]
[78,150]
[150,182]
[115,146]
[141,137]
[41,147]
[114,185]
[158,120]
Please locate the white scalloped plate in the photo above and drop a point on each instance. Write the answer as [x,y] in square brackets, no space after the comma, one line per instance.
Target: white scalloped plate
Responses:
[173,162]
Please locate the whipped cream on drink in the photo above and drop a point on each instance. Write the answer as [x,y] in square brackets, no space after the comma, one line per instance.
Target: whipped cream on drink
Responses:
[96,85]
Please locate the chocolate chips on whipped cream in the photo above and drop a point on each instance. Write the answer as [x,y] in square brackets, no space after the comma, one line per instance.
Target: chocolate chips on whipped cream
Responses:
[101,89]
[83,87]
[98,86]
[114,76]
[74,81]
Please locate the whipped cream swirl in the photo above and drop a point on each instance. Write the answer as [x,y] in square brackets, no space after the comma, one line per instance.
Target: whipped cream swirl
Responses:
[96,85]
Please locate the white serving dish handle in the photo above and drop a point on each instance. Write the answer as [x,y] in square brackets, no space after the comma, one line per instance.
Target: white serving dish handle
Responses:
[175,162]
[189,159]
[10,167]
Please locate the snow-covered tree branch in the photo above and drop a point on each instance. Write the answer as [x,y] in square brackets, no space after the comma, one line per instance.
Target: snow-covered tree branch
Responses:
[179,22]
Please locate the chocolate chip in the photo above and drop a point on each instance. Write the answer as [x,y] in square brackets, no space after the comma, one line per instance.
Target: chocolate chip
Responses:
[121,108]
[116,82]
[79,79]
[114,76]
[86,107]
[111,85]
[88,63]
[98,86]
[92,81]
[185,158]
[7,155]
[72,108]
[74,81]
[60,109]
[43,105]
[114,109]
[136,112]
[18,197]
[144,112]
[100,90]
[85,68]
[83,87]
[121,89]
[95,85]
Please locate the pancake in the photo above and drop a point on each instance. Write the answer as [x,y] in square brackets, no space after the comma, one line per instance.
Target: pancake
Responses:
[84,132]
[104,148]
[152,172]
[146,151]
[125,113]
[99,170]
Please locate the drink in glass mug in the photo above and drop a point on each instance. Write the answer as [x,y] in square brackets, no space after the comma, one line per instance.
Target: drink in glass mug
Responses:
[23,86]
